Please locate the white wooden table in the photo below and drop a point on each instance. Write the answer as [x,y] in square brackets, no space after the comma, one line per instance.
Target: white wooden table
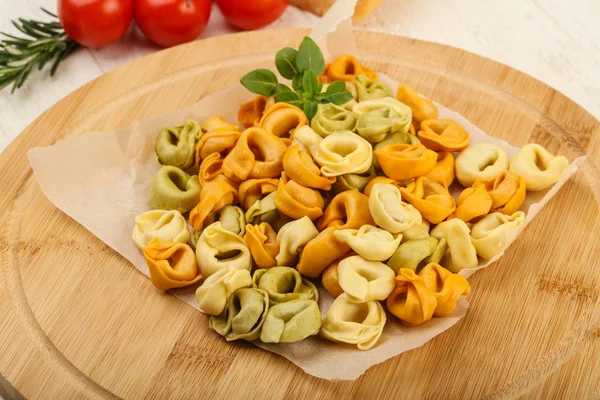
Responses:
[556,41]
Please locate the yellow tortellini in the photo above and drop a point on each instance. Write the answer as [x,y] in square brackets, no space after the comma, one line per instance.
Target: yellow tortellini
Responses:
[292,237]
[538,166]
[389,212]
[420,231]
[344,153]
[481,161]
[308,139]
[173,189]
[177,146]
[494,232]
[166,226]
[416,253]
[363,280]
[218,248]
[354,323]
[370,242]
[331,119]
[243,316]
[212,294]
[369,89]
[284,284]
[291,321]
[460,253]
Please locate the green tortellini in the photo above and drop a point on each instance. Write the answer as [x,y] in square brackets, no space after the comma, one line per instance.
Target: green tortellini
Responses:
[176,146]
[415,254]
[368,89]
[264,210]
[291,322]
[243,316]
[173,189]
[232,218]
[331,118]
[353,181]
[284,284]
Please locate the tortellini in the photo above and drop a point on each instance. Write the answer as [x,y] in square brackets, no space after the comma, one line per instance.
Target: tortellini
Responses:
[420,231]
[173,189]
[405,161]
[260,210]
[284,284]
[171,264]
[176,146]
[472,202]
[494,232]
[538,166]
[347,210]
[214,197]
[354,323]
[446,286]
[262,241]
[300,167]
[389,212]
[211,169]
[443,135]
[353,181]
[330,279]
[344,153]
[297,201]
[217,123]
[507,190]
[220,141]
[368,89]
[411,301]
[460,253]
[331,119]
[370,242]
[422,108]
[257,154]
[363,280]
[250,113]
[166,226]
[320,252]
[308,140]
[243,316]
[282,119]
[255,189]
[380,179]
[346,68]
[292,237]
[443,172]
[232,219]
[433,200]
[212,294]
[291,322]
[416,253]
[481,161]
[218,248]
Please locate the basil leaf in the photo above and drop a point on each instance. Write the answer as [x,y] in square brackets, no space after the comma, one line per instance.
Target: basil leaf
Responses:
[285,61]
[336,87]
[280,87]
[309,57]
[297,83]
[286,96]
[297,103]
[310,109]
[339,98]
[260,81]
[310,82]
[319,97]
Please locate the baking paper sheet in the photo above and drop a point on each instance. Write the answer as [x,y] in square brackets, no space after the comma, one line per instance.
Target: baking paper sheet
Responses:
[101,180]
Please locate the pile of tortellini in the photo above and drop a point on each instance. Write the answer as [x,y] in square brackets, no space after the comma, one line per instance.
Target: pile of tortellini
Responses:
[358,197]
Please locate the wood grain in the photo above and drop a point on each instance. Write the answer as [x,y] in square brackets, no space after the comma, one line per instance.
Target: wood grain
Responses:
[78,321]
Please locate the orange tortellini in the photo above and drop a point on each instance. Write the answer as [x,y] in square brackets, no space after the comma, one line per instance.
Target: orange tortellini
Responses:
[220,140]
[433,200]
[411,301]
[405,161]
[251,112]
[283,119]
[213,197]
[345,68]
[257,154]
[422,108]
[446,286]
[472,202]
[255,189]
[507,192]
[443,135]
[300,167]
[262,241]
[171,264]
[297,201]
[443,172]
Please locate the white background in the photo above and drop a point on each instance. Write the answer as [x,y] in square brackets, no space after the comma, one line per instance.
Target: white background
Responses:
[556,41]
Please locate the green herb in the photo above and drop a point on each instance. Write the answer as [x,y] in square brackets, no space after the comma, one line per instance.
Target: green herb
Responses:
[302,67]
[46,42]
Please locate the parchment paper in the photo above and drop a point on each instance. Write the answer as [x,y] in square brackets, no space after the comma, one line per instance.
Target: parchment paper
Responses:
[101,180]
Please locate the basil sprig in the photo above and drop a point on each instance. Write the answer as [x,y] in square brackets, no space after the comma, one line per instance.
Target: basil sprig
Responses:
[302,67]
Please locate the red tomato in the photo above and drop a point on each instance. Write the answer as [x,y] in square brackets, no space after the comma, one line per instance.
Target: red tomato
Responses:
[95,23]
[172,22]
[246,14]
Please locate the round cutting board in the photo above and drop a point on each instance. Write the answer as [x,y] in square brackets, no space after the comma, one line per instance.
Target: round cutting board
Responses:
[77,320]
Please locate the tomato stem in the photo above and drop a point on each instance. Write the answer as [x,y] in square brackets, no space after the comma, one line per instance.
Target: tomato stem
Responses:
[189,3]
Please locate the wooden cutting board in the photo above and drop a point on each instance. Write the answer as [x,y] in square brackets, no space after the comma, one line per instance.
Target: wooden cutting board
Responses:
[77,320]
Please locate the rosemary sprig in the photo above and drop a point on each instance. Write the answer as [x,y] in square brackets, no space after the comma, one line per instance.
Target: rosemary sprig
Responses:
[44,42]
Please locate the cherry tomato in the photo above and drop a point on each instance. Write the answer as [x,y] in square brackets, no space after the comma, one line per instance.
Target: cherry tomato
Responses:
[172,22]
[95,23]
[246,14]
